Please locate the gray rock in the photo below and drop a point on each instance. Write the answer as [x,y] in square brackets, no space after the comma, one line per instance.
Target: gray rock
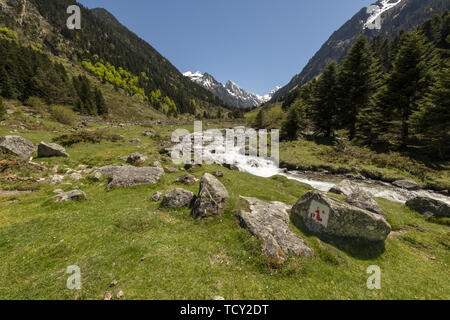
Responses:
[171,170]
[218,174]
[76,176]
[323,215]
[428,206]
[406,184]
[147,133]
[135,140]
[231,167]
[128,176]
[177,198]
[73,195]
[187,179]
[211,197]
[157,164]
[46,150]
[136,158]
[364,201]
[97,176]
[156,196]
[345,187]
[56,179]
[17,145]
[269,222]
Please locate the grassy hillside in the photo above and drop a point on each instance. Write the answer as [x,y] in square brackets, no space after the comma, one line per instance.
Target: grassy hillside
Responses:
[155,253]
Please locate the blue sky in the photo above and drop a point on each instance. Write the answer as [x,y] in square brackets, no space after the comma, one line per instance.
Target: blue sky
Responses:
[258,44]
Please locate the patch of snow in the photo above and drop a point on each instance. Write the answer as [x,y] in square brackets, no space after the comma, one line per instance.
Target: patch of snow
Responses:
[383,6]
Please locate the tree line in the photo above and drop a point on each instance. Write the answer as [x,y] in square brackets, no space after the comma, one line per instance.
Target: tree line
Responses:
[26,72]
[392,93]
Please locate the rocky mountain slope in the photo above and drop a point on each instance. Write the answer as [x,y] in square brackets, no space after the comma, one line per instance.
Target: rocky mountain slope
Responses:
[229,92]
[395,16]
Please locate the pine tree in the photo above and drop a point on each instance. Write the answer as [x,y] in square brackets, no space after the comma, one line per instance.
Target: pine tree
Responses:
[357,82]
[2,109]
[324,102]
[405,86]
[432,119]
[100,102]
[259,120]
[291,126]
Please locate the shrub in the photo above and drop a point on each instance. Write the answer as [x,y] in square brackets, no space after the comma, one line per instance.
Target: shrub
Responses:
[63,115]
[36,103]
[9,33]
[86,136]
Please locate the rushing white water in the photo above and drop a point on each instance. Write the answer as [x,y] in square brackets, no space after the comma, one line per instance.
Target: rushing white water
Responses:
[266,168]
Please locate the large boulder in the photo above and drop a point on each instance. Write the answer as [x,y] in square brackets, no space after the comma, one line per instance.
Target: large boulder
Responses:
[211,197]
[136,158]
[74,195]
[406,184]
[178,198]
[428,206]
[269,222]
[345,187]
[46,150]
[187,179]
[128,176]
[364,201]
[17,145]
[323,215]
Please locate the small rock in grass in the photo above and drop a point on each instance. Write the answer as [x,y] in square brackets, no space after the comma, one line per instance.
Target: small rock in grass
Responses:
[187,179]
[120,294]
[218,174]
[76,176]
[171,170]
[107,296]
[114,283]
[136,158]
[73,195]
[156,196]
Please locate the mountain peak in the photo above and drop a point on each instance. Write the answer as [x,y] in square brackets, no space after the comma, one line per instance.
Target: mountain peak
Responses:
[230,92]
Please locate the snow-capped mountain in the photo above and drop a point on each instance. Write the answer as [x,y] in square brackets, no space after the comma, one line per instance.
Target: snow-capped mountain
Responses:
[390,18]
[229,92]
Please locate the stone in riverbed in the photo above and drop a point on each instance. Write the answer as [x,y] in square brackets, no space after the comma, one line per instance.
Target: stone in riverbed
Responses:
[428,206]
[47,150]
[269,222]
[345,187]
[406,184]
[17,146]
[128,176]
[211,197]
[323,215]
[178,198]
